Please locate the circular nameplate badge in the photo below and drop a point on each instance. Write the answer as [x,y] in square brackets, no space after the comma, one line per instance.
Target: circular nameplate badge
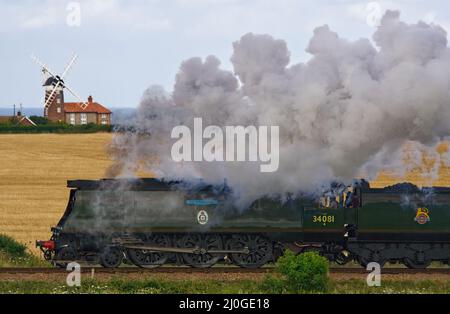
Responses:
[202,217]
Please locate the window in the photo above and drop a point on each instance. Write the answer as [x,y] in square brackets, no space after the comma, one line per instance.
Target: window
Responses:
[58,101]
[72,118]
[104,117]
[104,122]
[352,198]
[329,202]
[58,110]
[83,118]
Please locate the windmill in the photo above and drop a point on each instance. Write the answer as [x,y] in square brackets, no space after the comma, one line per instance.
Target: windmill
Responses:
[55,84]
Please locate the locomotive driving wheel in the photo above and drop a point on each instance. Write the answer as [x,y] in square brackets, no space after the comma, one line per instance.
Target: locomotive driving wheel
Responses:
[202,243]
[150,259]
[111,257]
[414,264]
[364,262]
[65,254]
[260,250]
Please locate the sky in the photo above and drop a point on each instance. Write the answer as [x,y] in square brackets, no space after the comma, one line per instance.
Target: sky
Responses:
[124,46]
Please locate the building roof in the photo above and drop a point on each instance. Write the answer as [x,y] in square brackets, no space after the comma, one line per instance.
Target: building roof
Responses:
[16,119]
[25,118]
[51,81]
[92,107]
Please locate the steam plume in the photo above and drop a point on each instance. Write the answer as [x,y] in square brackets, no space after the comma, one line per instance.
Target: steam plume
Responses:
[350,107]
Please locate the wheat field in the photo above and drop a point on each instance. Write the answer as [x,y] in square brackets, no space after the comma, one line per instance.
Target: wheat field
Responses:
[34,169]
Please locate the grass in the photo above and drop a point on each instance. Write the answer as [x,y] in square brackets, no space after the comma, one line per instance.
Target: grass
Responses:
[122,286]
[10,246]
[199,286]
[15,254]
[392,287]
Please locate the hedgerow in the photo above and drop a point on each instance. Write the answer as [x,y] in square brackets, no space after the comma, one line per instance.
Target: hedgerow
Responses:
[54,128]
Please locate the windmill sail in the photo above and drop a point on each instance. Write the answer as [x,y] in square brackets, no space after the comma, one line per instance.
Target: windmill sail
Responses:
[57,84]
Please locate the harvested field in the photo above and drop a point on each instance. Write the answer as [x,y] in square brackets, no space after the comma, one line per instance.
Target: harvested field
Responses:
[33,174]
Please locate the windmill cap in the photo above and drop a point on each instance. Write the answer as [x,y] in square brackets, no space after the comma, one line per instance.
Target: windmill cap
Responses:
[50,81]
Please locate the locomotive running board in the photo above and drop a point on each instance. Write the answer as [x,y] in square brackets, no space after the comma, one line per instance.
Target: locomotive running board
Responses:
[195,250]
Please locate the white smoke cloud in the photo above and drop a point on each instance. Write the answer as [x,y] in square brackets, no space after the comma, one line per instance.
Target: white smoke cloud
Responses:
[346,111]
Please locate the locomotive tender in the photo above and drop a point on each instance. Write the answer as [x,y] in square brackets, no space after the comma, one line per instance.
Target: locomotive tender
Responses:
[149,223]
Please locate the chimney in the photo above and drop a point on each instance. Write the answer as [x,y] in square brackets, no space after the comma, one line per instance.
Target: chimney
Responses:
[90,99]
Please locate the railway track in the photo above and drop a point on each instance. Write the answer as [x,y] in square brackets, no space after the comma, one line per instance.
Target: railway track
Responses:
[218,270]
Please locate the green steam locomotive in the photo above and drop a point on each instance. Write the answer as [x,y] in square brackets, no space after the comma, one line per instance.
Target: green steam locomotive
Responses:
[149,223]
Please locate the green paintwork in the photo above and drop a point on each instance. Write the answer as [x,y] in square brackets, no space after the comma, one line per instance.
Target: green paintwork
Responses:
[316,220]
[153,211]
[167,210]
[389,212]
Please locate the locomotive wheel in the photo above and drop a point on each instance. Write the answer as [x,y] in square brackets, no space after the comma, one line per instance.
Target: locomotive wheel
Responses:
[203,243]
[343,258]
[146,259]
[260,250]
[111,257]
[65,254]
[412,264]
[364,261]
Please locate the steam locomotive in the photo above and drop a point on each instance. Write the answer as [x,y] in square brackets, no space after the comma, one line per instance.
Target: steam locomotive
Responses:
[149,223]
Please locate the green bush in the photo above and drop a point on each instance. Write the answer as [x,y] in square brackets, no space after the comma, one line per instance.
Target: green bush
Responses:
[10,246]
[307,272]
[15,254]
[273,285]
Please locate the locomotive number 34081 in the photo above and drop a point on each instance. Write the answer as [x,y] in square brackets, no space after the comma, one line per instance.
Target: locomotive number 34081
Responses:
[323,219]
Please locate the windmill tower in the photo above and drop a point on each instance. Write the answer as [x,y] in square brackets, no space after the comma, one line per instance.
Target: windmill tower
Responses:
[53,101]
[54,86]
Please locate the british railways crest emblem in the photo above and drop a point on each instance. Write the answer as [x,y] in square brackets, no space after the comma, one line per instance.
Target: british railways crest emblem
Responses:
[202,217]
[422,216]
